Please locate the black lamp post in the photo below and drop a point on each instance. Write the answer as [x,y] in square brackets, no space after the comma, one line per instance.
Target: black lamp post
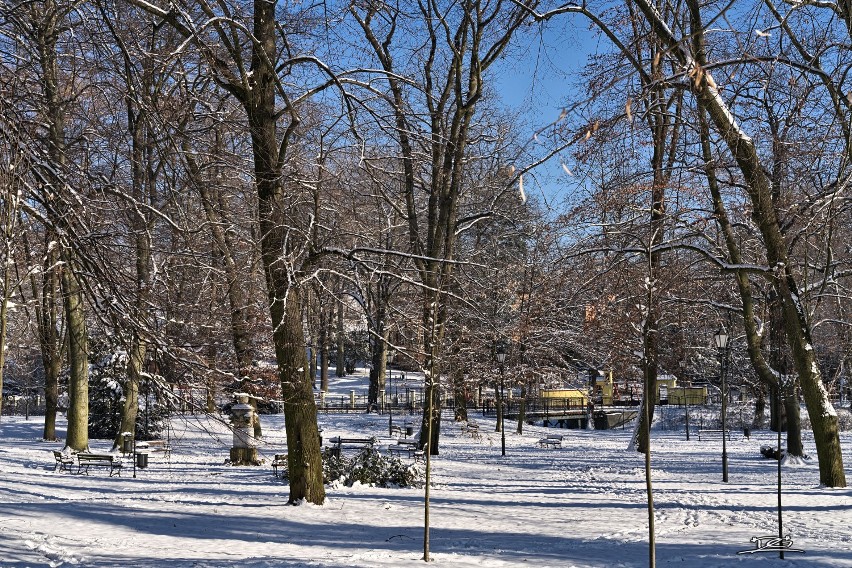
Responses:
[390,355]
[721,339]
[685,392]
[500,353]
[27,399]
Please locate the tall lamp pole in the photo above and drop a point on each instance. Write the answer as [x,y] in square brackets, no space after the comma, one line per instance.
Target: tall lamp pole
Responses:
[685,391]
[721,339]
[390,391]
[780,520]
[500,353]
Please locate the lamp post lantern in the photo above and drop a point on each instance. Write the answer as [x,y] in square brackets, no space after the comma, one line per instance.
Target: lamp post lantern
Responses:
[500,354]
[390,355]
[721,339]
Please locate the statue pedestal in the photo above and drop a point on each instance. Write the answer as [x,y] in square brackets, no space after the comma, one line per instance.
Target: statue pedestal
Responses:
[244,456]
[244,451]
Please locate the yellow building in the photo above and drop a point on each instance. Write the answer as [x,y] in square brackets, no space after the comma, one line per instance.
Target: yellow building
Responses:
[570,398]
[687,395]
[667,391]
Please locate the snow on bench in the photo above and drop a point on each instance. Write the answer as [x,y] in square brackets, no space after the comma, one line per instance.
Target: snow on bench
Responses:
[551,441]
[63,461]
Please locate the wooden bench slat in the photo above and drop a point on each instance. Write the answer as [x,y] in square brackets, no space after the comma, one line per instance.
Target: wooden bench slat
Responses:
[86,460]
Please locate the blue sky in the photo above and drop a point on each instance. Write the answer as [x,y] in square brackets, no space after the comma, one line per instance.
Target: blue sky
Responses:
[543,65]
[537,77]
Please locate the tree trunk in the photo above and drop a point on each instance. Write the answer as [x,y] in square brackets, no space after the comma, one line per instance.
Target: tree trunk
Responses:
[431,432]
[324,352]
[300,418]
[210,397]
[324,364]
[312,349]
[78,382]
[759,407]
[52,369]
[143,189]
[45,35]
[241,336]
[777,414]
[303,449]
[460,395]
[379,348]
[753,336]
[341,352]
[822,414]
[649,382]
[130,408]
[45,293]
[522,409]
[4,306]
[794,421]
[664,126]
[44,23]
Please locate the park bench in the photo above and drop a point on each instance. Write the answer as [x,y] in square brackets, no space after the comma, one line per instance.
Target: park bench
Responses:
[408,450]
[551,441]
[704,435]
[395,431]
[339,442]
[63,461]
[85,460]
[280,460]
[471,428]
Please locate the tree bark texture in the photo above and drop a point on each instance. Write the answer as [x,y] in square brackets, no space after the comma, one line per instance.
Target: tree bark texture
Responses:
[45,289]
[143,189]
[823,416]
[78,358]
[341,352]
[303,448]
[45,30]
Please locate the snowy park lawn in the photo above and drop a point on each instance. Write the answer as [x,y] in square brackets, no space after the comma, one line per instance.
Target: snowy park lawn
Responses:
[579,505]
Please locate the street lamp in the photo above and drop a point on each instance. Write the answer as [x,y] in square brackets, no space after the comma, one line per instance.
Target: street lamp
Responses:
[389,356]
[721,339]
[500,353]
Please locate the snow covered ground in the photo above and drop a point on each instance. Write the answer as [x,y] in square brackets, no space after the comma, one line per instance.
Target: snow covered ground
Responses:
[581,505]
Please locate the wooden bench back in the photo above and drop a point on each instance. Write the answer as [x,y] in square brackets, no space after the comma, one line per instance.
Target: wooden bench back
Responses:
[94,457]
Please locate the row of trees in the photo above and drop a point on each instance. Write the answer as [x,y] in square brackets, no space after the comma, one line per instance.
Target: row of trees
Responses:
[208,185]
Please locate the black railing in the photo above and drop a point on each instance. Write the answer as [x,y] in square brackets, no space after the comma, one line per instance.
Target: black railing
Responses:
[360,403]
